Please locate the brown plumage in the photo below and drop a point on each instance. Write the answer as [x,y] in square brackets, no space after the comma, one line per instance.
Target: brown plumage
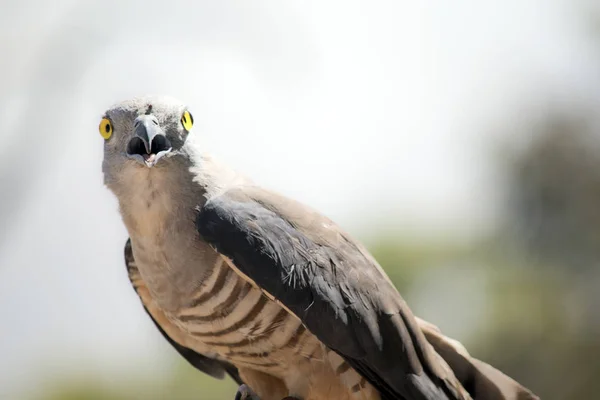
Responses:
[244,281]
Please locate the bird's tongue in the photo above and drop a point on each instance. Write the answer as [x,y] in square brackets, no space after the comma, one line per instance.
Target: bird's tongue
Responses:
[149,157]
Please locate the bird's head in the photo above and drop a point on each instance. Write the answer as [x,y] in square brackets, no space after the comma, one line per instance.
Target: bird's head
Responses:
[144,132]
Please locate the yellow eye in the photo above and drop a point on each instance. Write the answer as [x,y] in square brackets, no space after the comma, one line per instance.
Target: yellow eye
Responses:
[187,120]
[105,128]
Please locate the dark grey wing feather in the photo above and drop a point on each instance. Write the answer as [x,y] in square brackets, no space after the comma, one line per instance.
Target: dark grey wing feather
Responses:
[332,284]
[209,366]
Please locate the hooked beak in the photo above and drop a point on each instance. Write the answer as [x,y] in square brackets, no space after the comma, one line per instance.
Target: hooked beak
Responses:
[149,143]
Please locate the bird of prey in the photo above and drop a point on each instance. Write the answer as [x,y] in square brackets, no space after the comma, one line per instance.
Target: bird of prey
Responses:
[246,282]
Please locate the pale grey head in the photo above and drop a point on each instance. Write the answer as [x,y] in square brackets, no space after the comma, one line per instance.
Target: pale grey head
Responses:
[144,132]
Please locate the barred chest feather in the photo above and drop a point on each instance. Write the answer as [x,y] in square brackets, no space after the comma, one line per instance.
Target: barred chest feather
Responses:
[237,321]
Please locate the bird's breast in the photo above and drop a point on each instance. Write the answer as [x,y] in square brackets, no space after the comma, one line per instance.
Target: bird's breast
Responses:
[236,320]
[232,319]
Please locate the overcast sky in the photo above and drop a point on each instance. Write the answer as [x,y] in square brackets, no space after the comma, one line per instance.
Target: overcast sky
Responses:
[376,113]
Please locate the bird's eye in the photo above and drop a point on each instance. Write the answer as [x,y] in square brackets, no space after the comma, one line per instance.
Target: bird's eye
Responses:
[187,120]
[105,128]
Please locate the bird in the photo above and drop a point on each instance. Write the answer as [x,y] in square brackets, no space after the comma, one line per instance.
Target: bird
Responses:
[245,282]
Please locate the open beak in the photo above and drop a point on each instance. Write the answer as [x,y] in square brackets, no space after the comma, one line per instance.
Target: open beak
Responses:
[149,143]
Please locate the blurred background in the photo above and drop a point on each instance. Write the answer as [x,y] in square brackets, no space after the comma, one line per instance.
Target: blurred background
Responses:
[460,141]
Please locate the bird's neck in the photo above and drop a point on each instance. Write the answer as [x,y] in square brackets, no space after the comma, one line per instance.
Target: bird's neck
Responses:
[158,208]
